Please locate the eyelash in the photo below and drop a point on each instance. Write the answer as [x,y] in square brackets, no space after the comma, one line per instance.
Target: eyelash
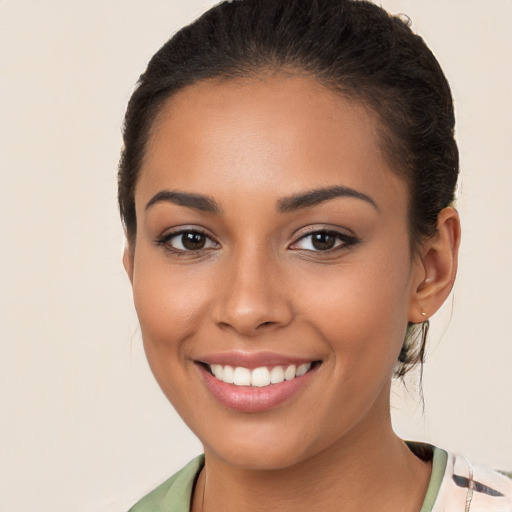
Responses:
[342,241]
[165,241]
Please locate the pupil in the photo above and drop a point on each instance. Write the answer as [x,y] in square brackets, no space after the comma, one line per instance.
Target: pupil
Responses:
[193,241]
[323,241]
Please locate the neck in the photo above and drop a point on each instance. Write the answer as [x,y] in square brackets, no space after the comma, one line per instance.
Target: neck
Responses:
[370,469]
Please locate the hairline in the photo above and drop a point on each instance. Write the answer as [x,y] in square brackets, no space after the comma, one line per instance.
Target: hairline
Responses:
[392,150]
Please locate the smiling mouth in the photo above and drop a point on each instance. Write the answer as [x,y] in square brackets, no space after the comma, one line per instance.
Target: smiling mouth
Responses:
[260,377]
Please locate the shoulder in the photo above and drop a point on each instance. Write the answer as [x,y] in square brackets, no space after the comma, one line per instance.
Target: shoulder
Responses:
[175,493]
[470,487]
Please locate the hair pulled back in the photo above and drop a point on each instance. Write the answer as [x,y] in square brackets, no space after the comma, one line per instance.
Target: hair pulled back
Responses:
[351,46]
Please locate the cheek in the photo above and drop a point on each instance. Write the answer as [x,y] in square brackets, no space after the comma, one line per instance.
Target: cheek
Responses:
[361,310]
[169,306]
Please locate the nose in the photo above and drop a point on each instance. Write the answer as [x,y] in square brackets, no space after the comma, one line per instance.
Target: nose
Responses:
[253,296]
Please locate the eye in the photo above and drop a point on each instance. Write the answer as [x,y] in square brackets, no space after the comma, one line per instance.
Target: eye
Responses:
[187,241]
[324,240]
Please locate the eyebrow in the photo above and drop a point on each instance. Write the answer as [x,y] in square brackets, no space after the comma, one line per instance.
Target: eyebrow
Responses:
[195,201]
[288,204]
[320,195]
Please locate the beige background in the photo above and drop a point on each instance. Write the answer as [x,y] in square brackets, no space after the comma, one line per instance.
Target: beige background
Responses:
[83,426]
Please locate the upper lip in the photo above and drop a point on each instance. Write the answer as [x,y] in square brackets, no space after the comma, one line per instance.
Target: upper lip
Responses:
[253,360]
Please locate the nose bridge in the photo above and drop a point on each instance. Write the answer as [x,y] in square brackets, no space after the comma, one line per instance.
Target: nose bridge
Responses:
[252,299]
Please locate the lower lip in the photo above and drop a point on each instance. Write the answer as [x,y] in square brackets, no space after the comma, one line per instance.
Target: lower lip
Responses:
[254,399]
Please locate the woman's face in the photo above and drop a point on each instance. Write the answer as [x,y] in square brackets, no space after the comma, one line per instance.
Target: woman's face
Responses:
[271,234]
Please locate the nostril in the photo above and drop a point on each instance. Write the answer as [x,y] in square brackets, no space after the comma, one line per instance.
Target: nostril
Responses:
[251,314]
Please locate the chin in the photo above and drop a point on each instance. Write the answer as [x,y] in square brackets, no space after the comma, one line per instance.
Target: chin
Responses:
[262,456]
[268,445]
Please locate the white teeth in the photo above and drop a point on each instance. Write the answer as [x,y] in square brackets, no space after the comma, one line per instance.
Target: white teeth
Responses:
[217,370]
[289,373]
[228,374]
[259,377]
[277,375]
[242,376]
[302,369]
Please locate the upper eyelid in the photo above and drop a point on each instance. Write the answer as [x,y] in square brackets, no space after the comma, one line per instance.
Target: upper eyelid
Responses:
[324,230]
[327,227]
[342,233]
[167,236]
[186,229]
[347,240]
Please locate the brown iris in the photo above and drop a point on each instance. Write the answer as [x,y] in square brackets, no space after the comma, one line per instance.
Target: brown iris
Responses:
[323,241]
[193,241]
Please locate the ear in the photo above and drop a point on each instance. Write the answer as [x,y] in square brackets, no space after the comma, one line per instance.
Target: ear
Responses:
[128,262]
[437,267]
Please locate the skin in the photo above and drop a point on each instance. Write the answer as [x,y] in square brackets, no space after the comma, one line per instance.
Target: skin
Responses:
[259,284]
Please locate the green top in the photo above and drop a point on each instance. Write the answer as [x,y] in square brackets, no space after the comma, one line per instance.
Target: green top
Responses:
[438,470]
[175,494]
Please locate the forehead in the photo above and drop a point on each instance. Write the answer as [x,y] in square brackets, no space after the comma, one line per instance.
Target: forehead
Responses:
[279,133]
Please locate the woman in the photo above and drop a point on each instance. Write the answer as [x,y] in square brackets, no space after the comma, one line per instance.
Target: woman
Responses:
[286,187]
